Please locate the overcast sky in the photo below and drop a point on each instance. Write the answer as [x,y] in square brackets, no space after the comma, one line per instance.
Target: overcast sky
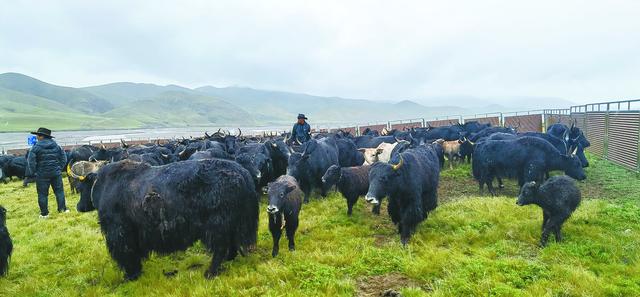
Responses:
[578,50]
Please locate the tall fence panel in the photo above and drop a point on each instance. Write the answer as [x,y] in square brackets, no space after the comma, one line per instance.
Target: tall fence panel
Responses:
[350,130]
[550,119]
[377,127]
[494,121]
[623,132]
[440,123]
[596,129]
[403,126]
[525,123]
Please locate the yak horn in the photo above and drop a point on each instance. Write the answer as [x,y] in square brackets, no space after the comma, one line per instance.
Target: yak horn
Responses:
[70,173]
[239,132]
[395,167]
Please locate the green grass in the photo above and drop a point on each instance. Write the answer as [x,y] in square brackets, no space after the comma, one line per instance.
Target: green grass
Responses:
[469,246]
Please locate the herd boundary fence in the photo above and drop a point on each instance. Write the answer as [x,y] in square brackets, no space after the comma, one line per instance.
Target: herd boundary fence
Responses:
[613,128]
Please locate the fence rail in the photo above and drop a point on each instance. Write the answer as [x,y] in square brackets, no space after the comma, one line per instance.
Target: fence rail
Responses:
[613,128]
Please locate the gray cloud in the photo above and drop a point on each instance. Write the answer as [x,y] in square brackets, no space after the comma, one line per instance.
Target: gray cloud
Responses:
[576,50]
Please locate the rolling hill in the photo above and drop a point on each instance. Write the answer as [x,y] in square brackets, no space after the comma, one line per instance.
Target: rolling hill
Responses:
[26,102]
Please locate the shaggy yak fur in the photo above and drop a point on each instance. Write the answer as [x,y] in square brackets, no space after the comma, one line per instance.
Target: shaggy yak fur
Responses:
[558,197]
[6,246]
[525,158]
[309,166]
[352,182]
[285,202]
[410,180]
[144,209]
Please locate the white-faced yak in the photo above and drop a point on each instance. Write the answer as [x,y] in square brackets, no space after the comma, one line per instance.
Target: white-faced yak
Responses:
[167,208]
[410,180]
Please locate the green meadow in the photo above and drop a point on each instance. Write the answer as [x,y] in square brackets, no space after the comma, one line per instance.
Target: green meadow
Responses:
[470,245]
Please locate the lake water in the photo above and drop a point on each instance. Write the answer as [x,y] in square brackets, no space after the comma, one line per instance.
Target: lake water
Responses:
[19,140]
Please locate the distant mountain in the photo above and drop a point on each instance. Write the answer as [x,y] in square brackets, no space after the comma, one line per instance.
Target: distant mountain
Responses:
[285,106]
[26,102]
[75,98]
[122,93]
[177,108]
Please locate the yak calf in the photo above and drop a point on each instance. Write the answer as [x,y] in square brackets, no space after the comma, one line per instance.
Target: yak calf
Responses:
[558,197]
[352,182]
[285,202]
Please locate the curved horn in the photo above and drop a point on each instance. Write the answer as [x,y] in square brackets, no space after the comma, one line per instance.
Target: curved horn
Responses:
[395,167]
[206,135]
[239,132]
[124,144]
[70,173]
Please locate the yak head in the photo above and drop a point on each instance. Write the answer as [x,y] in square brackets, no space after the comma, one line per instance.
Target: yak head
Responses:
[370,154]
[278,192]
[332,176]
[247,163]
[278,148]
[573,167]
[383,179]
[528,193]
[299,163]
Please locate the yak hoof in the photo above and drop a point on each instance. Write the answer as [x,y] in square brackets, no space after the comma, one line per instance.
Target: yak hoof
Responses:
[132,276]
[211,275]
[292,248]
[274,253]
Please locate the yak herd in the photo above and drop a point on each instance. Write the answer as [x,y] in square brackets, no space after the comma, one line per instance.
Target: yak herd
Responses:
[162,197]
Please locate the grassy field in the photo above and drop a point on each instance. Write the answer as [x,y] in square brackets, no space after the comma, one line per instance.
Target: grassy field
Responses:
[469,246]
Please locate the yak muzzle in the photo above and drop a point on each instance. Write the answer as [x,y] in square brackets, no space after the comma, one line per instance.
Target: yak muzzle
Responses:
[272,209]
[372,200]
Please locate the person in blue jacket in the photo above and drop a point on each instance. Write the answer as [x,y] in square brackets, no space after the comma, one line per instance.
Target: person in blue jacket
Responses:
[301,130]
[45,163]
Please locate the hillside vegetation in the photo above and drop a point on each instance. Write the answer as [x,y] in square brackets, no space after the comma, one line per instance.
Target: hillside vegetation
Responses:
[469,246]
[26,102]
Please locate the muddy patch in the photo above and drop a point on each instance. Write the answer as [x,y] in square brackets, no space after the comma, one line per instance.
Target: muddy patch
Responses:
[384,285]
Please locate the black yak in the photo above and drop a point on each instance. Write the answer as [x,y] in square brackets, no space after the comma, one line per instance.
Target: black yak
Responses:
[574,137]
[525,158]
[348,154]
[352,182]
[285,202]
[6,246]
[309,166]
[410,181]
[167,208]
[558,197]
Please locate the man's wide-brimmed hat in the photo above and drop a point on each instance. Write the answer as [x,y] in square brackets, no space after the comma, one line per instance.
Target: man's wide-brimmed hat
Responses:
[43,132]
[301,116]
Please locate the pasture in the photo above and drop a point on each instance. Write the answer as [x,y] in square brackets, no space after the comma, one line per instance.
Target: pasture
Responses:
[470,245]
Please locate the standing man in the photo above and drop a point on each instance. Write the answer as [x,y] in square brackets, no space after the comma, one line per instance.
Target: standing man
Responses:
[301,131]
[46,161]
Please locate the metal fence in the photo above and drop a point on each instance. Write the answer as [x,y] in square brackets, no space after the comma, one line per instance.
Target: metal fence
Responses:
[613,128]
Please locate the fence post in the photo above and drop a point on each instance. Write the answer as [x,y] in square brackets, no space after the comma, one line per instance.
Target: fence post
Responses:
[638,147]
[606,134]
